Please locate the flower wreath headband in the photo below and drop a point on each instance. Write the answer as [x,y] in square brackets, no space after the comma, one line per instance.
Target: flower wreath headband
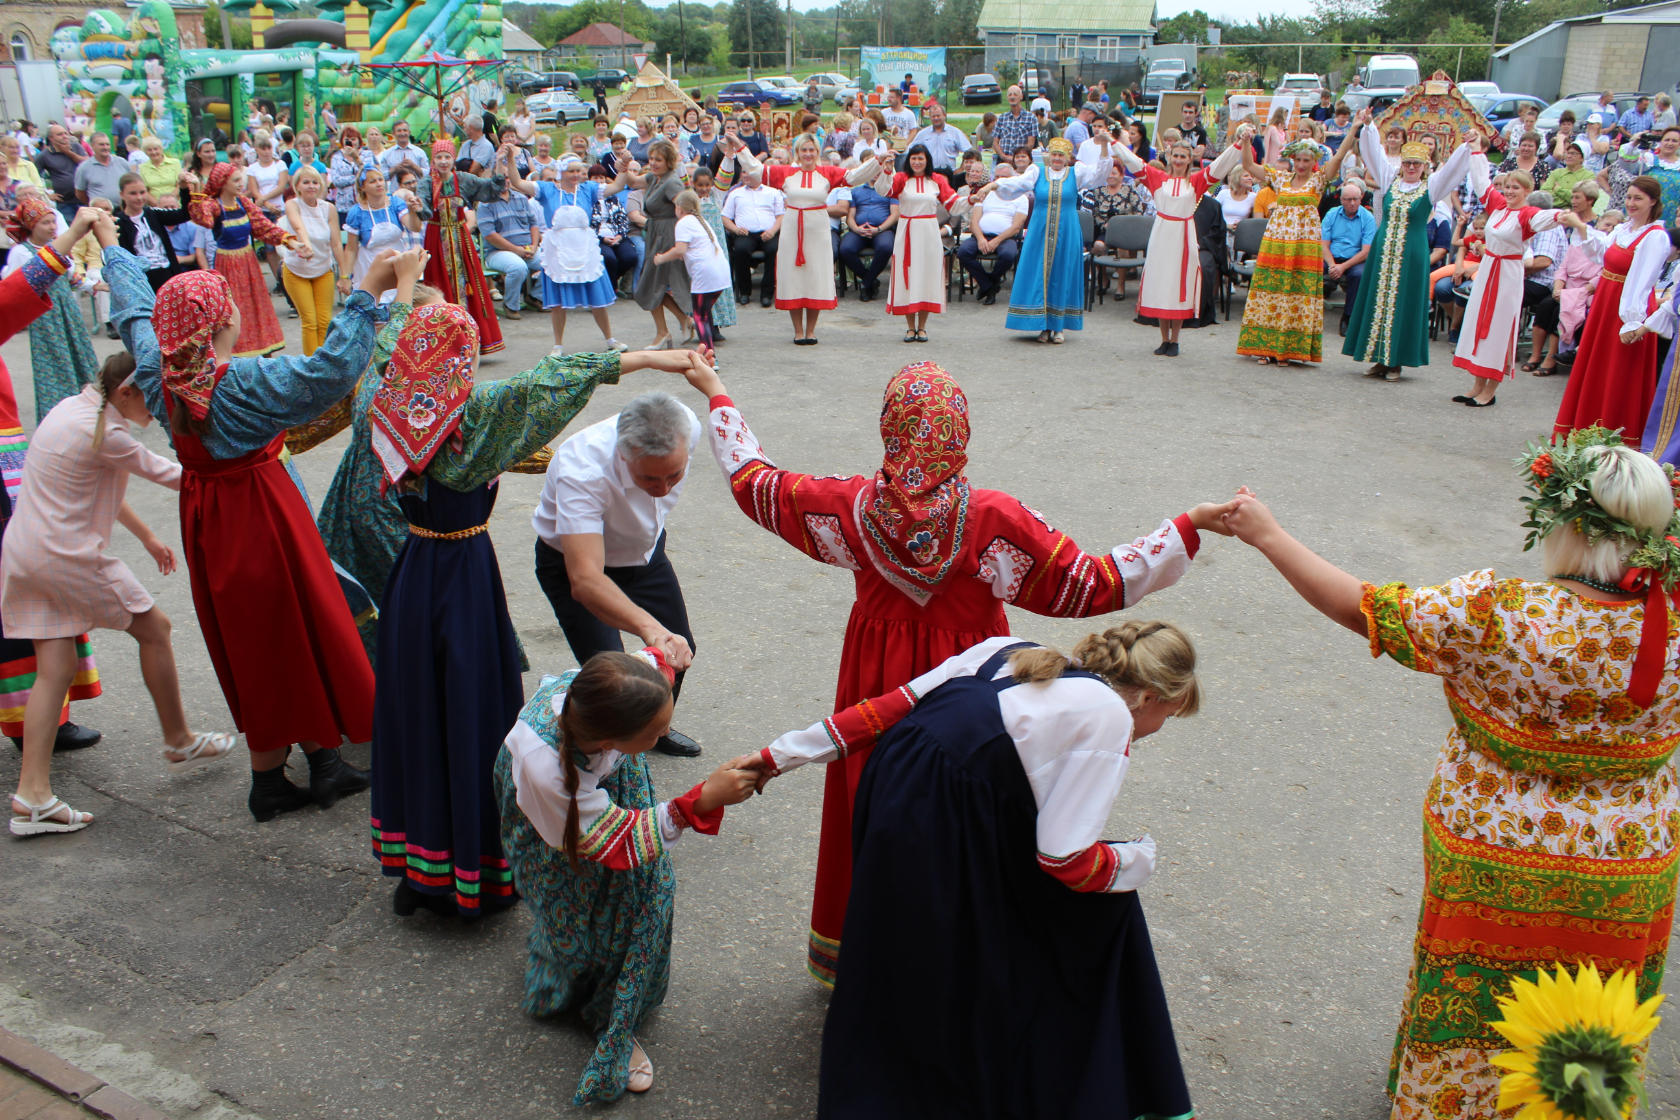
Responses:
[1560,474]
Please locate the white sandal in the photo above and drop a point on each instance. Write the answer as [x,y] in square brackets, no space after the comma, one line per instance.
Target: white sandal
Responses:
[40,820]
[641,1068]
[206,747]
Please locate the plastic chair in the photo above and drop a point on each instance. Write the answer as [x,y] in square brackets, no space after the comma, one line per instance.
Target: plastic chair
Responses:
[1125,237]
[1245,249]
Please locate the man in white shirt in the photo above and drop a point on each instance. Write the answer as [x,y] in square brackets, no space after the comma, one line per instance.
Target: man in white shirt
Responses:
[995,226]
[404,150]
[600,525]
[901,122]
[945,143]
[752,216]
[1099,146]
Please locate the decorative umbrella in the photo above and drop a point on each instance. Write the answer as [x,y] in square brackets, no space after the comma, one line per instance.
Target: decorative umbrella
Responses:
[426,76]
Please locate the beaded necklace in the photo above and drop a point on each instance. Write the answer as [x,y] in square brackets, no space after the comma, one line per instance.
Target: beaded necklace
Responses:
[1595,584]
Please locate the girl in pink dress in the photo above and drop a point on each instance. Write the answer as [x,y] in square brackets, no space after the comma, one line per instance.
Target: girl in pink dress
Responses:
[58,580]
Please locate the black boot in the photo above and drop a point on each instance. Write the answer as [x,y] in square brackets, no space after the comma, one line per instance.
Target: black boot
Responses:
[71,737]
[331,778]
[272,794]
[407,900]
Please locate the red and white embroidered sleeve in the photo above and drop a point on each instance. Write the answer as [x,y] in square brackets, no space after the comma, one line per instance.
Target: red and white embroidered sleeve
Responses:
[853,730]
[805,511]
[1106,866]
[1039,569]
[627,838]
[262,229]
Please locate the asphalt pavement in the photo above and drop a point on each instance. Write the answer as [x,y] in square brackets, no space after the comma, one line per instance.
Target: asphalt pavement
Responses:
[214,967]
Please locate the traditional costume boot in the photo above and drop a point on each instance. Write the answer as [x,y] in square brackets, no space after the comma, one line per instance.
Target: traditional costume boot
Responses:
[330,777]
[272,794]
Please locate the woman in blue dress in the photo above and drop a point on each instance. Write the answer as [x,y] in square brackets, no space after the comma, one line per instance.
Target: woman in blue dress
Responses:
[574,273]
[448,686]
[1048,295]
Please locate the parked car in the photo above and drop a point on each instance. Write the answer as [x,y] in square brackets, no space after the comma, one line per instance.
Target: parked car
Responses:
[554,79]
[1164,77]
[514,78]
[1375,100]
[1390,71]
[846,93]
[1302,87]
[611,76]
[1581,104]
[557,105]
[756,90]
[830,84]
[1503,108]
[979,89]
[1479,89]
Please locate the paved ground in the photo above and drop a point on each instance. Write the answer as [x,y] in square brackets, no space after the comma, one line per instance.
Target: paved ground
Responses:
[219,968]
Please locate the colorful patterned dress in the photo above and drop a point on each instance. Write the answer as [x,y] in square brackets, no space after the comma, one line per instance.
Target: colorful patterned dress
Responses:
[448,687]
[234,228]
[454,267]
[61,359]
[600,938]
[1389,323]
[25,295]
[991,551]
[1283,317]
[1552,827]
[711,212]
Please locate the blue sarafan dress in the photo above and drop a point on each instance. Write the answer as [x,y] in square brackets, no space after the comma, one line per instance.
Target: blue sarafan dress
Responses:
[448,678]
[1662,426]
[1048,293]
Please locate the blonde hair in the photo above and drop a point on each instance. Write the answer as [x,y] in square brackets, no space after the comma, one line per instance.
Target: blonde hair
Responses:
[689,202]
[1280,115]
[843,121]
[1626,484]
[1134,658]
[1521,178]
[113,375]
[425,293]
[305,171]
[803,140]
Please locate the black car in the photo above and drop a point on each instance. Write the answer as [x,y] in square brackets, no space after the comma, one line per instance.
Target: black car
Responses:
[554,79]
[981,88]
[757,90]
[612,77]
[514,78]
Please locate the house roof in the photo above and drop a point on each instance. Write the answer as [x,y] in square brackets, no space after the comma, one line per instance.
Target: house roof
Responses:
[514,39]
[1067,16]
[1667,12]
[600,35]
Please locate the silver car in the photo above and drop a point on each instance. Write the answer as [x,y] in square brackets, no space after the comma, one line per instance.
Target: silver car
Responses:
[558,105]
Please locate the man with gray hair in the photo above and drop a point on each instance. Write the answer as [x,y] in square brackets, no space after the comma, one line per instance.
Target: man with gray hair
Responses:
[600,526]
[101,176]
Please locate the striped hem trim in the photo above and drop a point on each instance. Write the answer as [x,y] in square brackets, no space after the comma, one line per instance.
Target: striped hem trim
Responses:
[822,956]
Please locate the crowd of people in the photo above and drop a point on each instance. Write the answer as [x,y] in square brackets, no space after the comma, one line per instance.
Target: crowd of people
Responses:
[381,618]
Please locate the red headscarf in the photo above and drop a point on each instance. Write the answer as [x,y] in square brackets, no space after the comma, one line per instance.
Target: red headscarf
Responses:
[916,507]
[425,390]
[217,179]
[29,213]
[190,309]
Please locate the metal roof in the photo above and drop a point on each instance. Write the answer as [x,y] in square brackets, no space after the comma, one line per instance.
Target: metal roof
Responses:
[514,39]
[1067,16]
[1667,12]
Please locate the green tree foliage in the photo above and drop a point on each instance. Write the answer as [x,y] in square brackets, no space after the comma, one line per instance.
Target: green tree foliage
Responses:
[759,25]
[241,29]
[686,36]
[1185,27]
[1271,62]
[1468,63]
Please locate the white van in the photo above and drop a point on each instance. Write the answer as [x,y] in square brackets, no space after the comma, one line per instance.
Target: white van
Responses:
[1391,71]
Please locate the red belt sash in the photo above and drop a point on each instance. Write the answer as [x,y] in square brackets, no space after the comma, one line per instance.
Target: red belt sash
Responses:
[1490,294]
[909,241]
[1184,265]
[799,255]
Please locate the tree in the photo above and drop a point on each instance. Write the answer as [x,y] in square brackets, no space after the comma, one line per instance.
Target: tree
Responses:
[1466,62]
[684,36]
[1185,27]
[213,29]
[757,26]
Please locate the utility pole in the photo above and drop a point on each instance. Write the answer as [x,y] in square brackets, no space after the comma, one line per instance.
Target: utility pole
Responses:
[748,5]
[682,37]
[789,65]
[1493,43]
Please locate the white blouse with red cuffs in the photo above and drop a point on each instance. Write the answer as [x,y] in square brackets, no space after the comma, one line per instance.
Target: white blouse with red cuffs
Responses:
[1074,738]
[609,834]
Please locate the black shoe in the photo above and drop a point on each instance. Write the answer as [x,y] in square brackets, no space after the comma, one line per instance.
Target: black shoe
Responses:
[1172,349]
[1162,349]
[110,331]
[865,295]
[407,900]
[989,298]
[677,745]
[71,737]
[330,777]
[1462,399]
[272,794]
[1341,328]
[1489,403]
[717,335]
[767,301]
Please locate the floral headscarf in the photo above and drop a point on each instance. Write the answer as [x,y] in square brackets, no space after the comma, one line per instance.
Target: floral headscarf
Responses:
[190,309]
[916,508]
[217,179]
[31,212]
[427,382]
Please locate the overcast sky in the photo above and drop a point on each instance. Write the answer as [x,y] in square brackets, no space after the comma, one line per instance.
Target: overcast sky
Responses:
[1219,9]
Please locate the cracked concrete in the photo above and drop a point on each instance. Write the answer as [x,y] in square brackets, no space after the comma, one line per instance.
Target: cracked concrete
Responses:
[219,968]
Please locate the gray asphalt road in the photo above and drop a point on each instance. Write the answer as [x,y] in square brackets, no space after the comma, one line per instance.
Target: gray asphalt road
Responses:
[220,967]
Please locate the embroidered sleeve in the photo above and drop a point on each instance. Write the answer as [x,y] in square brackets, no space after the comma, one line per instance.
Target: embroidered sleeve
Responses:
[315,432]
[1044,571]
[262,229]
[40,270]
[1106,866]
[203,209]
[804,511]
[508,420]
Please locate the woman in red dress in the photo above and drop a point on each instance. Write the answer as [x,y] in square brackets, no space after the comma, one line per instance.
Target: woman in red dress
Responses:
[934,562]
[236,222]
[1615,377]
[276,624]
[454,268]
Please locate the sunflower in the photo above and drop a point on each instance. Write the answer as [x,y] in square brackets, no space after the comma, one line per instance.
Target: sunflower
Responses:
[1577,1045]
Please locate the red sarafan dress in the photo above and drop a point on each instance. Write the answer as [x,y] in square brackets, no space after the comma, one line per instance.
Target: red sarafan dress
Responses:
[1614,382]
[933,564]
[454,267]
[235,228]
